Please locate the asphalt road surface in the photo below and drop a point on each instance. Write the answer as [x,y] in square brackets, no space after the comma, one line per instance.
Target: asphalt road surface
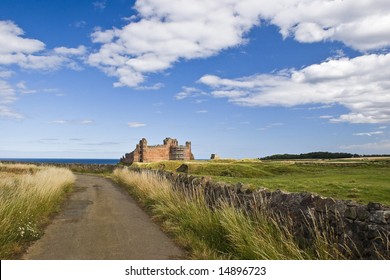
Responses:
[100,221]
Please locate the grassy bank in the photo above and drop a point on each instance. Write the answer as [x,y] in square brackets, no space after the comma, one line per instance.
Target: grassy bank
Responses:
[28,195]
[98,169]
[223,233]
[360,180]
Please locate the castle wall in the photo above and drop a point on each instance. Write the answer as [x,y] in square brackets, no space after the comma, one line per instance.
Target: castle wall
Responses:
[188,155]
[136,154]
[158,153]
[170,150]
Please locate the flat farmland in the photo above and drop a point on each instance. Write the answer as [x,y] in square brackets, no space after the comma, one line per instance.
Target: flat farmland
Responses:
[361,180]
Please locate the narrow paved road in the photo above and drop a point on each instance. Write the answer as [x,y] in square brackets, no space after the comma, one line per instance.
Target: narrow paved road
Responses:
[101,221]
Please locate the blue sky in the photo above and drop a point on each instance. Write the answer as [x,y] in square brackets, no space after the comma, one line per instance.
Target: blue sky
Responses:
[243,79]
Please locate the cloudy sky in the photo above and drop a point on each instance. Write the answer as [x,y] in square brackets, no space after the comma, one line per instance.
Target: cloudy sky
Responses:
[242,79]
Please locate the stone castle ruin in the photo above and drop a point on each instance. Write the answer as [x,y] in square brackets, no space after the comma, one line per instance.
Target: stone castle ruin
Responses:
[170,150]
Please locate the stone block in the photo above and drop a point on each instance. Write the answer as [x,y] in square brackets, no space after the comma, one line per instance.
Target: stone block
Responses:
[351,213]
[374,206]
[362,213]
[380,217]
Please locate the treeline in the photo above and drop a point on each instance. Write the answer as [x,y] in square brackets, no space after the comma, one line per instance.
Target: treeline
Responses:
[319,155]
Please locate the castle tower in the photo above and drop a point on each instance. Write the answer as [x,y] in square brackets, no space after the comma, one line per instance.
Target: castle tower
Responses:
[143,145]
[170,150]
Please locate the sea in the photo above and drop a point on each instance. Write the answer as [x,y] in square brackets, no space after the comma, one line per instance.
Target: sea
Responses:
[63,160]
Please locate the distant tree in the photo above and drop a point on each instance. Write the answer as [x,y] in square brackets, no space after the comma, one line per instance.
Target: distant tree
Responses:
[383,155]
[312,155]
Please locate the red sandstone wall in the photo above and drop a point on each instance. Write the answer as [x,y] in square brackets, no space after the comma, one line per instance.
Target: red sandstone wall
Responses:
[187,154]
[156,153]
[136,155]
[152,154]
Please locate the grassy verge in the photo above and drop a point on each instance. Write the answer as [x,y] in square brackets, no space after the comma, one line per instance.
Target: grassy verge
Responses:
[225,232]
[28,195]
[95,169]
[361,181]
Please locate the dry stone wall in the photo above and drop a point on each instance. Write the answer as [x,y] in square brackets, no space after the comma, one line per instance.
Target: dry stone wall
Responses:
[365,229]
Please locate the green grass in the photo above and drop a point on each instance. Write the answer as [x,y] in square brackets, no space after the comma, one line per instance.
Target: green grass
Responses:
[28,196]
[361,181]
[225,232]
[363,184]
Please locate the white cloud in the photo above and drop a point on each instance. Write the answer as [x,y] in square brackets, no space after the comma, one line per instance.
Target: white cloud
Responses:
[320,107]
[14,49]
[202,111]
[165,32]
[156,86]
[22,88]
[361,25]
[6,112]
[74,122]
[368,133]
[189,92]
[44,62]
[86,122]
[99,36]
[360,84]
[80,50]
[6,74]
[31,53]
[12,42]
[135,124]
[382,147]
[27,53]
[21,85]
[7,93]
[168,31]
[7,98]
[59,122]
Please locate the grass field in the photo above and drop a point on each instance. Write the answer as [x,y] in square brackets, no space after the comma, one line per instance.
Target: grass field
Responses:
[359,180]
[28,196]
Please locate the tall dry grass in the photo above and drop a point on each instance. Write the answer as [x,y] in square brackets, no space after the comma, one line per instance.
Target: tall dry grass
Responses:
[186,216]
[225,232]
[28,195]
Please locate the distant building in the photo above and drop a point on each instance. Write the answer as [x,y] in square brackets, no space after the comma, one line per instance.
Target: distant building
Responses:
[214,156]
[170,150]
